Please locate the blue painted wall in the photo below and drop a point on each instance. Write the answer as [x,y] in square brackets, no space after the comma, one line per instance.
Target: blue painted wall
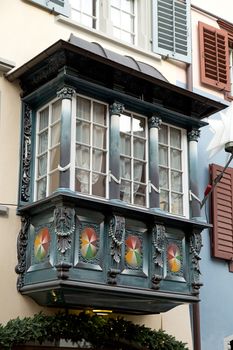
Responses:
[216,307]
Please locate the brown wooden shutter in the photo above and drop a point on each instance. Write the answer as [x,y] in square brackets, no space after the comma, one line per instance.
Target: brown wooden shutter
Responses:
[222,209]
[214,56]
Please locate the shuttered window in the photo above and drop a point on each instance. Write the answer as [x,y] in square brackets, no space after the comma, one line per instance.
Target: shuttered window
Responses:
[171,29]
[222,209]
[214,56]
[58,6]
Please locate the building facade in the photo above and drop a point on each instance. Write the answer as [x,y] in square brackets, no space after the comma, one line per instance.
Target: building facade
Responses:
[101,106]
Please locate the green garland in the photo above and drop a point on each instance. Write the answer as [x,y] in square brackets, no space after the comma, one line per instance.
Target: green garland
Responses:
[100,332]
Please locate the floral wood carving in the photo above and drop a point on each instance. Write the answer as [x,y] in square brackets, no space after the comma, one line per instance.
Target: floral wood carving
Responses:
[27,154]
[158,239]
[22,242]
[195,249]
[116,232]
[64,223]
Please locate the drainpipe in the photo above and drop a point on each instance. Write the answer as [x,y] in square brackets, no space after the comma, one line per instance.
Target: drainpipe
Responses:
[196,306]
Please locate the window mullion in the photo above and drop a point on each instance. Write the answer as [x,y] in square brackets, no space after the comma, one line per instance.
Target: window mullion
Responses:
[73,142]
[132,160]
[49,151]
[91,149]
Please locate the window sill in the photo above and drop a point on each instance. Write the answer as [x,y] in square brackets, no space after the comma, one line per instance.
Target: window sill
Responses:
[110,206]
[100,35]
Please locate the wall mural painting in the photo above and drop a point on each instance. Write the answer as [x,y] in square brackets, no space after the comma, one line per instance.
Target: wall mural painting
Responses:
[42,244]
[174,258]
[89,243]
[133,255]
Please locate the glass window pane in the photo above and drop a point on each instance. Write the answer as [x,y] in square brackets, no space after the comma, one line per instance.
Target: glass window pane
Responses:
[98,185]
[87,20]
[83,108]
[163,178]
[83,132]
[164,200]
[117,33]
[140,195]
[125,191]
[87,7]
[127,5]
[139,148]
[54,158]
[126,37]
[127,23]
[76,16]
[99,161]
[139,171]
[139,126]
[82,157]
[43,142]
[99,137]
[125,144]
[44,119]
[41,188]
[56,111]
[42,165]
[55,134]
[177,204]
[163,155]
[176,159]
[76,4]
[116,3]
[176,181]
[175,138]
[115,16]
[125,123]
[99,113]
[53,182]
[163,134]
[125,168]
[82,181]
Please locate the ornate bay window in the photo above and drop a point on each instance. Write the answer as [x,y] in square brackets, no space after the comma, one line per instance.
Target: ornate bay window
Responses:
[103,149]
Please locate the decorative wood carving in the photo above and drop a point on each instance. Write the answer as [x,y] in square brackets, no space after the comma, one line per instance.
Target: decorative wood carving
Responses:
[64,223]
[155,121]
[112,276]
[158,239]
[22,242]
[63,270]
[26,154]
[195,249]
[194,135]
[66,92]
[116,232]
[116,108]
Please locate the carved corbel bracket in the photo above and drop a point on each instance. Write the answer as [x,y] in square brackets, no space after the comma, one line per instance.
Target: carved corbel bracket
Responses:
[63,270]
[158,240]
[26,154]
[195,249]
[112,276]
[117,234]
[22,242]
[64,227]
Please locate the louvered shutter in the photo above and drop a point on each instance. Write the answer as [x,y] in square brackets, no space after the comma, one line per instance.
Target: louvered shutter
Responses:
[171,29]
[214,56]
[222,210]
[58,6]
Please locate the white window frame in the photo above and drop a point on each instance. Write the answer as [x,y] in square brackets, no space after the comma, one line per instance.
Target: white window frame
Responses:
[49,148]
[131,157]
[184,171]
[231,69]
[135,20]
[73,144]
[96,17]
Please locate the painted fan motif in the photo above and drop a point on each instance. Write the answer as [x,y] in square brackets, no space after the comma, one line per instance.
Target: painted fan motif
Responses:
[88,243]
[174,257]
[133,254]
[41,244]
